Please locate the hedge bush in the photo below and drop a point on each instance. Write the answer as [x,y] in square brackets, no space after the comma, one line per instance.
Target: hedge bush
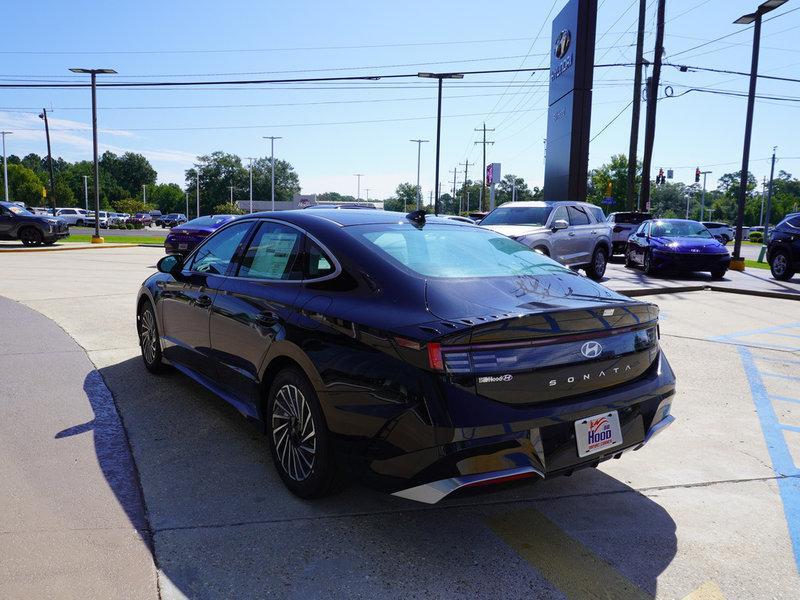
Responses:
[756,237]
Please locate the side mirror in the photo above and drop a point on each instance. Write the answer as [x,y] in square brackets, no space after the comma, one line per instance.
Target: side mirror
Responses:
[560,224]
[171,264]
[640,234]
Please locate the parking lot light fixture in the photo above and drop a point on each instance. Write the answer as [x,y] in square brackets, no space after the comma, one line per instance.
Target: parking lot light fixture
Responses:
[737,263]
[440,77]
[96,238]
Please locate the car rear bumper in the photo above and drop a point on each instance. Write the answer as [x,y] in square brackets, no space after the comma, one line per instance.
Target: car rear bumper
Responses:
[539,442]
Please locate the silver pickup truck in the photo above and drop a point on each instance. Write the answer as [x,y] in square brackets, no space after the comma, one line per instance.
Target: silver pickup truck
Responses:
[575,234]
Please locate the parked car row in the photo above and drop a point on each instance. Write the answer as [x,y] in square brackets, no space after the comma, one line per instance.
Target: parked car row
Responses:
[17,223]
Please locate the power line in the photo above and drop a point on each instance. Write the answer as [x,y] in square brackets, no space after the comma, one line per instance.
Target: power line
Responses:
[607,125]
[730,72]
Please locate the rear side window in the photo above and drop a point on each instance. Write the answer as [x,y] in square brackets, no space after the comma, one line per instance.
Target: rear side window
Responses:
[273,254]
[597,213]
[577,216]
[318,263]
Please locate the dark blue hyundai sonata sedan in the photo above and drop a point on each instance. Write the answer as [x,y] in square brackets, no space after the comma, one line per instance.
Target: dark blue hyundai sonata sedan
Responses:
[417,353]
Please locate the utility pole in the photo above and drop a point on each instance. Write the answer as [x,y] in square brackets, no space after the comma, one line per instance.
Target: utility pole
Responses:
[86,192]
[763,193]
[359,175]
[197,172]
[43,116]
[5,164]
[455,174]
[466,180]
[769,194]
[637,99]
[272,139]
[367,190]
[144,193]
[251,159]
[482,199]
[514,189]
[187,204]
[703,197]
[231,194]
[419,190]
[652,99]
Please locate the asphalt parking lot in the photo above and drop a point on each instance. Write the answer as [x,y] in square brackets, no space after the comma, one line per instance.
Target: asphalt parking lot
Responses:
[125,484]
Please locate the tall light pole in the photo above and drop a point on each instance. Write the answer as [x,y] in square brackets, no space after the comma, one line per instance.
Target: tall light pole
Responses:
[359,175]
[251,159]
[440,77]
[769,195]
[737,262]
[419,191]
[272,139]
[96,239]
[43,116]
[197,189]
[367,190]
[5,165]
[231,195]
[144,193]
[86,192]
[703,196]
[187,204]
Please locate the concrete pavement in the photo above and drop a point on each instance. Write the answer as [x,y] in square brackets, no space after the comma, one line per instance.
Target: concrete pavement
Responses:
[702,509]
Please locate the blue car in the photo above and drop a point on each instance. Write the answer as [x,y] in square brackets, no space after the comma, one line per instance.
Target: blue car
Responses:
[676,244]
[184,238]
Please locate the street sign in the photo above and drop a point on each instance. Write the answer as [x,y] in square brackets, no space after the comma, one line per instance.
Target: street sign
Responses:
[608,201]
[669,173]
[492,173]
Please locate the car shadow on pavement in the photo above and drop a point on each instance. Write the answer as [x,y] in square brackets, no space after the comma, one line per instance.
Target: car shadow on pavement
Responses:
[223,524]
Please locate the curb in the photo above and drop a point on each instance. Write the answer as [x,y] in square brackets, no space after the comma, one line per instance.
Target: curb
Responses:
[66,248]
[710,288]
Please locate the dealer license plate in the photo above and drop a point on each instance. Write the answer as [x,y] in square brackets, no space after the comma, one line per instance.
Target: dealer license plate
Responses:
[598,433]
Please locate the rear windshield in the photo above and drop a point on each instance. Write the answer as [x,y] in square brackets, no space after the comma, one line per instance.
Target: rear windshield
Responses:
[208,221]
[633,218]
[518,215]
[454,251]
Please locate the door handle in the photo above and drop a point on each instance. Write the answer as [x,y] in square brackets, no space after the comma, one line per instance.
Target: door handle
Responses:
[594,231]
[571,234]
[203,301]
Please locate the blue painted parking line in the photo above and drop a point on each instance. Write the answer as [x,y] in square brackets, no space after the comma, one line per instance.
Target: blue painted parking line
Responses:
[790,331]
[785,398]
[779,376]
[788,480]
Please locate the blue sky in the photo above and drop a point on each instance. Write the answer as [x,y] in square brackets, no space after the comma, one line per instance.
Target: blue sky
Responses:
[367,125]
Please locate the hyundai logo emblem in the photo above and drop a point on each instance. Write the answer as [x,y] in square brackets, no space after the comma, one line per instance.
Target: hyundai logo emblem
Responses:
[562,43]
[591,349]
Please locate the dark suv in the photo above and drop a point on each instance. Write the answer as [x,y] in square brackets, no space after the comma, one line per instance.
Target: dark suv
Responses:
[17,223]
[783,248]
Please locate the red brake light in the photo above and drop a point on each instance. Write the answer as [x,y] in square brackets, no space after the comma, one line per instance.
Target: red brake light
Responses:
[435,356]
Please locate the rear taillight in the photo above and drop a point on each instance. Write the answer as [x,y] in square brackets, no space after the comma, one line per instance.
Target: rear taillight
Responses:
[435,360]
[618,229]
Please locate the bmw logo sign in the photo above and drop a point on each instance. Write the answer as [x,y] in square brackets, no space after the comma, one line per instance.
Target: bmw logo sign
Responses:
[562,43]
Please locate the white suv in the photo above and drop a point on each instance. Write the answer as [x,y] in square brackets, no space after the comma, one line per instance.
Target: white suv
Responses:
[623,225]
[575,234]
[722,231]
[73,216]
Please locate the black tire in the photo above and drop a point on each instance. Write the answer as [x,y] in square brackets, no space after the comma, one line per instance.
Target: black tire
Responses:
[50,242]
[306,464]
[647,264]
[541,250]
[780,265]
[629,261]
[149,341]
[30,236]
[596,269]
[79,223]
[718,273]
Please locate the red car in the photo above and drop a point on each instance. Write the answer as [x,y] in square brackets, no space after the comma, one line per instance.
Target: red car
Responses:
[143,218]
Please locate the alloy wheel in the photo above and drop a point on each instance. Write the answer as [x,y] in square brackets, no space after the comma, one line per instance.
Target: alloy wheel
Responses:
[148,336]
[779,264]
[293,432]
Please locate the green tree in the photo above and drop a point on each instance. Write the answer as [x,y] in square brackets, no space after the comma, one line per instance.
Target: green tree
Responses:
[334,197]
[218,171]
[131,206]
[287,183]
[615,173]
[130,172]
[167,197]
[515,186]
[227,209]
[24,185]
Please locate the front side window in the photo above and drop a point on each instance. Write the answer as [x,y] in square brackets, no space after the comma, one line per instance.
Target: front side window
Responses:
[453,251]
[577,216]
[274,253]
[214,256]
[561,214]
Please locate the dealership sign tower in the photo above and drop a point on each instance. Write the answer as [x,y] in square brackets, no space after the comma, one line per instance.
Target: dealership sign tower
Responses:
[569,114]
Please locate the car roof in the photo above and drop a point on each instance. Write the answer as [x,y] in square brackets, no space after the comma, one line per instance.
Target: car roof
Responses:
[346,217]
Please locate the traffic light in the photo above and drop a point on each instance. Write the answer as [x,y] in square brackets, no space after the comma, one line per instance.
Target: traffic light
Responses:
[697,175]
[660,177]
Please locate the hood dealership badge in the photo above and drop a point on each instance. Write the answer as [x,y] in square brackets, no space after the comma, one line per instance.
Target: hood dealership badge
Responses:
[562,43]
